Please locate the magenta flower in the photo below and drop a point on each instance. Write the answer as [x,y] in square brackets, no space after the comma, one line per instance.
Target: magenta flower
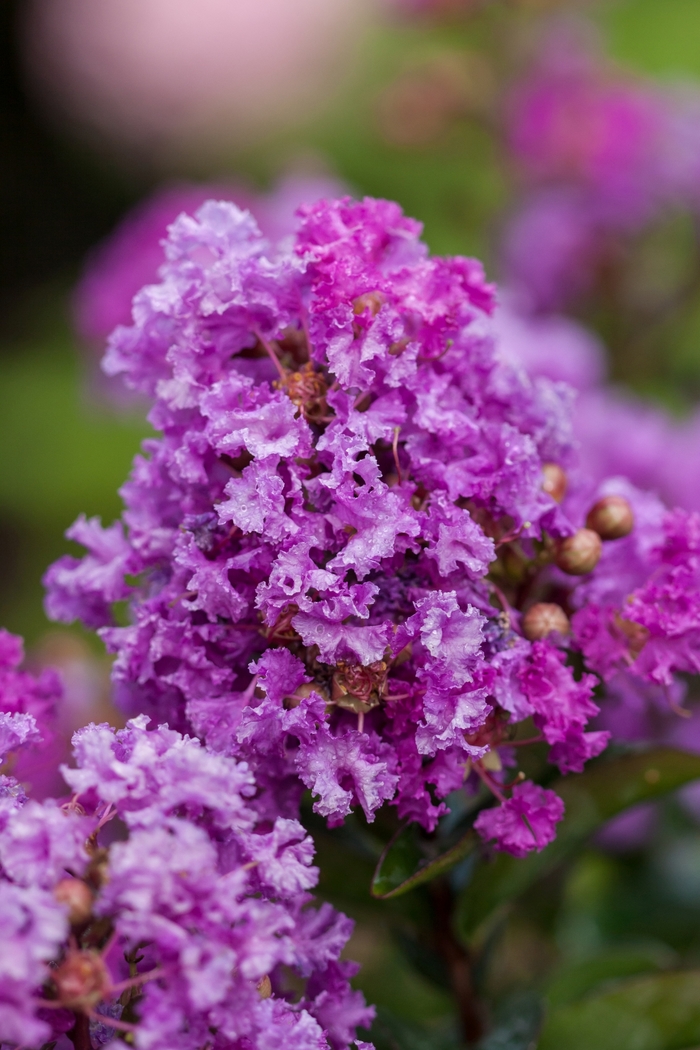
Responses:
[525,821]
[325,552]
[600,156]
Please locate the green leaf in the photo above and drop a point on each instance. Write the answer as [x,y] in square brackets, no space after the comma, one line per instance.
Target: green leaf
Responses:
[581,978]
[653,1013]
[391,1033]
[591,798]
[404,864]
[517,1024]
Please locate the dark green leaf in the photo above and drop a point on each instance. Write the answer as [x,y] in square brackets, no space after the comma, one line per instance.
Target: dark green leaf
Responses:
[404,864]
[591,798]
[423,959]
[390,1033]
[517,1024]
[653,1013]
[578,979]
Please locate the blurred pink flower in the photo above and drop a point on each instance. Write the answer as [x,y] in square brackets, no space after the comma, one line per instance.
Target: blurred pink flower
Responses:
[572,120]
[167,77]
[620,434]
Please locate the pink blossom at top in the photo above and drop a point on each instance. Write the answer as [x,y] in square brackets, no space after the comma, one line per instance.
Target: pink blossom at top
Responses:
[175,81]
[599,156]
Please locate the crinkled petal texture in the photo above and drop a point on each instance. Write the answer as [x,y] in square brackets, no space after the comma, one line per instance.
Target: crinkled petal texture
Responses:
[306,547]
[28,723]
[197,888]
[525,821]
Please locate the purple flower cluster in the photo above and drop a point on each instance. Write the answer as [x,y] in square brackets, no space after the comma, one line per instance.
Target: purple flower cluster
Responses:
[158,903]
[327,552]
[643,701]
[601,155]
[641,610]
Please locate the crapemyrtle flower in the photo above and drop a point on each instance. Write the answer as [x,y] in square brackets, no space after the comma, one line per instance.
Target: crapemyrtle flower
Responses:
[530,812]
[346,556]
[182,929]
[651,622]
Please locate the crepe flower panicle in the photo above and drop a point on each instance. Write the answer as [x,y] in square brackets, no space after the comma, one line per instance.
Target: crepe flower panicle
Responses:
[345,557]
[182,927]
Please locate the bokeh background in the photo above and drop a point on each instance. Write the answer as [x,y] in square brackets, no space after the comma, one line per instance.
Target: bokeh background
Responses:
[104,105]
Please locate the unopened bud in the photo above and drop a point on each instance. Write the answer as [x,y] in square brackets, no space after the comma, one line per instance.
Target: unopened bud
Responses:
[554,483]
[580,553]
[543,618]
[264,987]
[81,980]
[77,897]
[611,517]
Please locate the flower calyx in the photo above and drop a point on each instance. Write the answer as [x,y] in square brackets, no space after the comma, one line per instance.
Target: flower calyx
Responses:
[542,619]
[77,897]
[357,688]
[307,389]
[82,980]
[554,481]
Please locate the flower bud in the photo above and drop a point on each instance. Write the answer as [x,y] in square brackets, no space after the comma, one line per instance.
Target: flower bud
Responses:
[77,897]
[81,980]
[611,517]
[543,618]
[554,483]
[580,553]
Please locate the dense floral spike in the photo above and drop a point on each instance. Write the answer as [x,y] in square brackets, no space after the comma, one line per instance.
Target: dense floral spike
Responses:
[187,924]
[327,551]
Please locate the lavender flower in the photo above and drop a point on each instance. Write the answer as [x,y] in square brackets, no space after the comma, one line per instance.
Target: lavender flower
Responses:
[328,551]
[178,933]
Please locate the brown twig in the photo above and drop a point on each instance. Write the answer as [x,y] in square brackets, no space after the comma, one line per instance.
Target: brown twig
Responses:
[458,963]
[79,1034]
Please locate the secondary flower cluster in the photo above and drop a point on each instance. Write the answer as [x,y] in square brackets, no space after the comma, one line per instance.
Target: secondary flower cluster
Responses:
[601,156]
[28,709]
[328,551]
[157,903]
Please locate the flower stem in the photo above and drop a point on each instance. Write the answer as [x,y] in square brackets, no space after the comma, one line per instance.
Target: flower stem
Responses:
[458,963]
[79,1034]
